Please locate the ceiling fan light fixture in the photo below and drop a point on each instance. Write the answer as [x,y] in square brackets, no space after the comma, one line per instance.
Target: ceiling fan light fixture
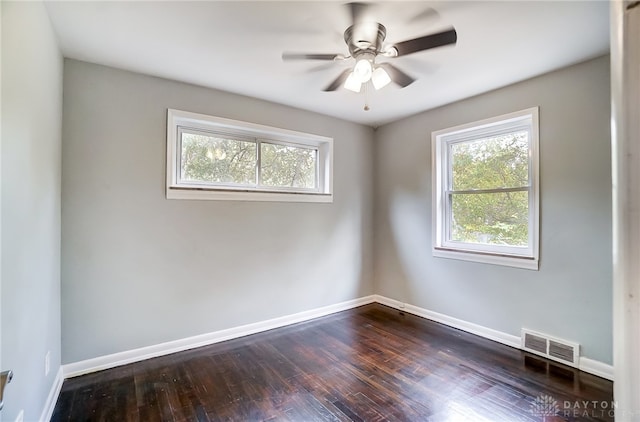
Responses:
[380,78]
[352,83]
[363,70]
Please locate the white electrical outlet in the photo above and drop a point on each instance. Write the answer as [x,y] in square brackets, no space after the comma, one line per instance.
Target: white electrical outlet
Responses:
[20,417]
[47,363]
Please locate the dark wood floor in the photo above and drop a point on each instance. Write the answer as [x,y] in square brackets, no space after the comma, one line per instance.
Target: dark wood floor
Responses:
[367,364]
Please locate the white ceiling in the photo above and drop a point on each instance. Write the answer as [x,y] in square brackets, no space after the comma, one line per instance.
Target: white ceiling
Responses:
[236,46]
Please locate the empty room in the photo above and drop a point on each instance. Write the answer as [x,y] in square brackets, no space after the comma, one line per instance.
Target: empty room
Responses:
[331,211]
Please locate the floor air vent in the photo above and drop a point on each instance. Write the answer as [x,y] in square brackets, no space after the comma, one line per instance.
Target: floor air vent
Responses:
[535,343]
[556,349]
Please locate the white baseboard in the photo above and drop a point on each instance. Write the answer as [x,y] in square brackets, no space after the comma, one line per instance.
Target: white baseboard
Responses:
[596,367]
[585,364]
[469,327]
[122,358]
[50,404]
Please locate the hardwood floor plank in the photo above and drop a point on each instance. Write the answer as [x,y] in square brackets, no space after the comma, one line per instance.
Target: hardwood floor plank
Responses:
[371,363]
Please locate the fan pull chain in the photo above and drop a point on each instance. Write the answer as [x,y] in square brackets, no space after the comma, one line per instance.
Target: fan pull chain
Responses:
[366,96]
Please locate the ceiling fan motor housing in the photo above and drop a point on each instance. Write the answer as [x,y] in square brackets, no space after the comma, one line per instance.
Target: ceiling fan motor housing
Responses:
[365,38]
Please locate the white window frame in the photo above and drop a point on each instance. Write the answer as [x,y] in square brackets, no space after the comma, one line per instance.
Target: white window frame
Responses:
[179,121]
[441,141]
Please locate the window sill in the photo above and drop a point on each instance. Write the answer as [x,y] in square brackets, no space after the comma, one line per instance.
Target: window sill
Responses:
[488,258]
[246,195]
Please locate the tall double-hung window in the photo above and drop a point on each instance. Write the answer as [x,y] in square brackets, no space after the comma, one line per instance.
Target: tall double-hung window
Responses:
[486,193]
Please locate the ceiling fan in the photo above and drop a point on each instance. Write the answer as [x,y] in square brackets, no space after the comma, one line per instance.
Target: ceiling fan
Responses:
[365,41]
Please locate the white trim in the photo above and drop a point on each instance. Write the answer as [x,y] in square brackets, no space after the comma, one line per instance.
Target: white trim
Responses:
[469,327]
[122,358]
[50,404]
[625,156]
[596,367]
[239,195]
[442,246]
[506,261]
[179,121]
[585,364]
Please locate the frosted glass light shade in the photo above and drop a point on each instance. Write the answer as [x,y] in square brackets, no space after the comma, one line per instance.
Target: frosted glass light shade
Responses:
[362,70]
[380,78]
[352,83]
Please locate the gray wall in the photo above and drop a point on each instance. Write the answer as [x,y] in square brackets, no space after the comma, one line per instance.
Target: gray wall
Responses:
[570,296]
[31,119]
[138,269]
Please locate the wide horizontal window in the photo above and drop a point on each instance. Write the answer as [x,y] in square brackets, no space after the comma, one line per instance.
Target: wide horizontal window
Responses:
[486,191]
[213,158]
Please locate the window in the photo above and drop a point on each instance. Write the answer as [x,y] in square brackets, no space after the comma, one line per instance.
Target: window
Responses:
[485,195]
[214,158]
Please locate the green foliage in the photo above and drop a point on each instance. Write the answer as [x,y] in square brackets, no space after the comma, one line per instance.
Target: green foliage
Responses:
[288,166]
[210,159]
[491,218]
[217,160]
[497,218]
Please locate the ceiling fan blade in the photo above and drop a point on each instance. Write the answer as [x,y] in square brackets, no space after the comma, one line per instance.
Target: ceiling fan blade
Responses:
[397,75]
[337,82]
[320,67]
[425,43]
[428,13]
[304,56]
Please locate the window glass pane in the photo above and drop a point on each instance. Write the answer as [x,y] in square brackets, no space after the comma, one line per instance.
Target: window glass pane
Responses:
[217,160]
[288,166]
[491,218]
[489,163]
